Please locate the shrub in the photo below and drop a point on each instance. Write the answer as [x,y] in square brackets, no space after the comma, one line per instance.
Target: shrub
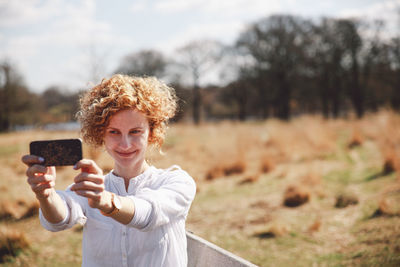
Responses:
[250,179]
[344,200]
[388,206]
[315,226]
[272,231]
[295,196]
[11,243]
[391,163]
[8,211]
[226,170]
[267,165]
[214,172]
[356,139]
[235,168]
[32,210]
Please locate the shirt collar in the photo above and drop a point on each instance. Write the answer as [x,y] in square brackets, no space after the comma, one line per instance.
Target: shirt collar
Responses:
[134,180]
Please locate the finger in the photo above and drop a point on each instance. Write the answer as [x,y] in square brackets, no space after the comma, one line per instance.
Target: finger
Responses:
[32,159]
[95,195]
[39,188]
[83,176]
[51,171]
[35,169]
[89,166]
[40,179]
[89,186]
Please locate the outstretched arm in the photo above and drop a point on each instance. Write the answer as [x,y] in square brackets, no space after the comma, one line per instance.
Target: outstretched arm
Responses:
[42,181]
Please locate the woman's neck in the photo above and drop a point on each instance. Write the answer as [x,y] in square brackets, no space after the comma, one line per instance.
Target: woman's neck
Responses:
[130,173]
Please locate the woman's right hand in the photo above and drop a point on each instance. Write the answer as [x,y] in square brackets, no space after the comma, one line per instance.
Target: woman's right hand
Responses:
[40,178]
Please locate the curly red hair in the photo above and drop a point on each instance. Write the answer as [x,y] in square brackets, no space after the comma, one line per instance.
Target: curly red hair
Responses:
[153,98]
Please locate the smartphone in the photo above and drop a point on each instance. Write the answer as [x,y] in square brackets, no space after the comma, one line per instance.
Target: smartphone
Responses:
[61,152]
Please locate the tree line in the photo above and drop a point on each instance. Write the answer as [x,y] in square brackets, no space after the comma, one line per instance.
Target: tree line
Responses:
[19,106]
[279,66]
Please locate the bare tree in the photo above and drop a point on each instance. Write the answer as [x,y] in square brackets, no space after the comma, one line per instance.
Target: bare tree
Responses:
[237,72]
[6,96]
[278,44]
[145,62]
[329,51]
[394,48]
[16,102]
[95,64]
[195,61]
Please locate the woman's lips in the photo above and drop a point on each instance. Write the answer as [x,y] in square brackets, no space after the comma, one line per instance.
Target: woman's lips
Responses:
[125,154]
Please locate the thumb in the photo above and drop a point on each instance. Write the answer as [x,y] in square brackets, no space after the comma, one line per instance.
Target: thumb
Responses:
[51,170]
[88,166]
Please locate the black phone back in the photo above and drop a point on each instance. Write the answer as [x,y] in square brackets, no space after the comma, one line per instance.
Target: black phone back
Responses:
[61,152]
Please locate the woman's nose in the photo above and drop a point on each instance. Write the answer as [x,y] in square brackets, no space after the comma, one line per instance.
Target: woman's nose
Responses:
[125,142]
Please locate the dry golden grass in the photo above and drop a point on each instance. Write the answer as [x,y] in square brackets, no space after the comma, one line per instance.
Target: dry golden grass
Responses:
[243,211]
[12,242]
[315,226]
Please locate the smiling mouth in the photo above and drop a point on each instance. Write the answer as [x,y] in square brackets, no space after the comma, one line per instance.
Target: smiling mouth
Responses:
[125,154]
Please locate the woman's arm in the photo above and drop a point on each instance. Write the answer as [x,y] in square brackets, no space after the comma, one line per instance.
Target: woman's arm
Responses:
[171,200]
[150,208]
[42,182]
[90,184]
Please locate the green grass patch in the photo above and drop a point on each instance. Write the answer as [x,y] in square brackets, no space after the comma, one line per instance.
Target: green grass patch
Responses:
[342,177]
[331,259]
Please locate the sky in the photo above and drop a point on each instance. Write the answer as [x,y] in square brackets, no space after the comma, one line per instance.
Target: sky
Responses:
[57,42]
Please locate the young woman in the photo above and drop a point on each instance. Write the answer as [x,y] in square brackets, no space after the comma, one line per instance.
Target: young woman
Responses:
[135,215]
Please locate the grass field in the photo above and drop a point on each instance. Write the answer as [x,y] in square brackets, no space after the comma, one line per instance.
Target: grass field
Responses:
[312,192]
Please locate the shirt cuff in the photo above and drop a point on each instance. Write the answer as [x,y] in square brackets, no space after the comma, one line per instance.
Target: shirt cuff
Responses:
[141,218]
[54,227]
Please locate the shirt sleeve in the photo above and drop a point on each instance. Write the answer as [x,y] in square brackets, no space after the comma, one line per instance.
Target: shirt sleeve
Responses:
[75,212]
[171,200]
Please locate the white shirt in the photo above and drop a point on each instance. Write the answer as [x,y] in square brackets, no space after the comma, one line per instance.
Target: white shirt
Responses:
[156,235]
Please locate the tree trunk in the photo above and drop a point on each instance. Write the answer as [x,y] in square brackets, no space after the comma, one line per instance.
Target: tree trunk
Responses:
[196,104]
[357,96]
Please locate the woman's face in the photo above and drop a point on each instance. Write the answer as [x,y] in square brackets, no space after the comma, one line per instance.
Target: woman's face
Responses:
[126,140]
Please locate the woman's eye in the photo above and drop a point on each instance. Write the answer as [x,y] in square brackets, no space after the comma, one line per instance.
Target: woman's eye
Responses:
[135,131]
[112,132]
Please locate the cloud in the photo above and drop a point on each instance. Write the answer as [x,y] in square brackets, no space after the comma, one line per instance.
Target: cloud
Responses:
[221,8]
[139,6]
[17,13]
[224,31]
[34,33]
[41,34]
[387,11]
[71,24]
[376,10]
[175,6]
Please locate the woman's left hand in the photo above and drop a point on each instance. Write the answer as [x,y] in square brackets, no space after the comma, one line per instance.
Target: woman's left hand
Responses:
[90,183]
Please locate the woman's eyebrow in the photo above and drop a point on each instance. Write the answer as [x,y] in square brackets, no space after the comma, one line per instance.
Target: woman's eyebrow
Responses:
[136,128]
[133,128]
